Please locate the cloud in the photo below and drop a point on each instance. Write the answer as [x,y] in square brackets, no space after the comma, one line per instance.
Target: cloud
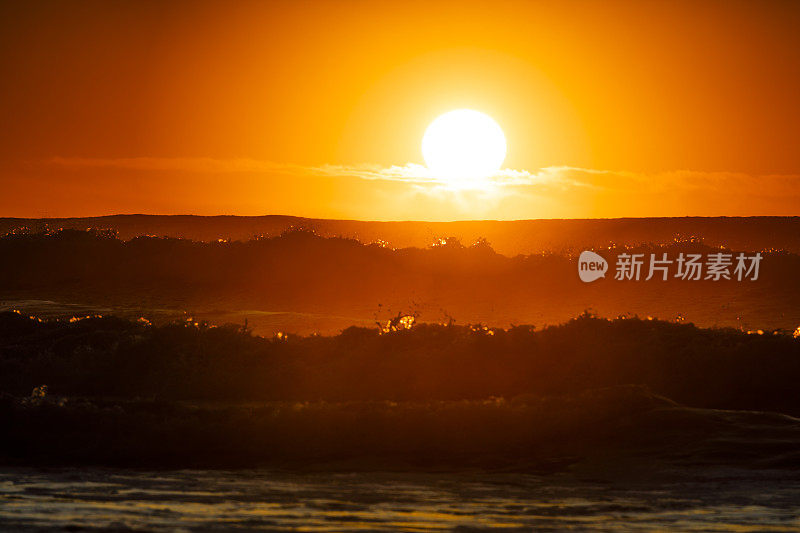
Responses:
[548,179]
[409,173]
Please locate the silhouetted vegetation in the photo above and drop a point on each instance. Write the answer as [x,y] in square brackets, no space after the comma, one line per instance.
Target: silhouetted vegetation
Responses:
[510,238]
[106,390]
[299,271]
[110,357]
[112,390]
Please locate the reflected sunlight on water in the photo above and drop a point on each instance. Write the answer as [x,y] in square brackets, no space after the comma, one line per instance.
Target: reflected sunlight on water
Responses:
[207,500]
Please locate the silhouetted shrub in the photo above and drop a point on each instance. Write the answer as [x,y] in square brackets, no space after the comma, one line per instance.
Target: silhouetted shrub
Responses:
[110,357]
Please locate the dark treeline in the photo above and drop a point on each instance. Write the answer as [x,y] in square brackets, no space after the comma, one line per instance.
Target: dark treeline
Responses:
[300,271]
[111,357]
[508,237]
[296,266]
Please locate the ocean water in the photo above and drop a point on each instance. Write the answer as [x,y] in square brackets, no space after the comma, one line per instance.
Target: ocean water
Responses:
[208,500]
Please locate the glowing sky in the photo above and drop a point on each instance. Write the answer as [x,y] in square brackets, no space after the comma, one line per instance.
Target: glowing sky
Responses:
[318,108]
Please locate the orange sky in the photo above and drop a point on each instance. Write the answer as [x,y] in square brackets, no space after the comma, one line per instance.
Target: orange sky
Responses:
[609,108]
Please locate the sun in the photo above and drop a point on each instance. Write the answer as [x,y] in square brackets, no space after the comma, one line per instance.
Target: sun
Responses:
[463,147]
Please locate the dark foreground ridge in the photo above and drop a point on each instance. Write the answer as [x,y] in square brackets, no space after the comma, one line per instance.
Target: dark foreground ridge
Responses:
[183,394]
[606,431]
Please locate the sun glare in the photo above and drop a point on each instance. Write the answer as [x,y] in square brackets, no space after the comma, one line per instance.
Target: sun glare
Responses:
[463,147]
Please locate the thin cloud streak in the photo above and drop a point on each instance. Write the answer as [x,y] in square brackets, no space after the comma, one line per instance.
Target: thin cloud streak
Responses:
[549,178]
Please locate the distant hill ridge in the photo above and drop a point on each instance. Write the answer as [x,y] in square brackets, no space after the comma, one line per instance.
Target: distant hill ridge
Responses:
[506,237]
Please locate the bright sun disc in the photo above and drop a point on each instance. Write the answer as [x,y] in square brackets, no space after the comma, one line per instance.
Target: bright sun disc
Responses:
[463,146]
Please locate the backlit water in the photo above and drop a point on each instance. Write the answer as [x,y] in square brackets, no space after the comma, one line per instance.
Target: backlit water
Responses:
[203,500]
